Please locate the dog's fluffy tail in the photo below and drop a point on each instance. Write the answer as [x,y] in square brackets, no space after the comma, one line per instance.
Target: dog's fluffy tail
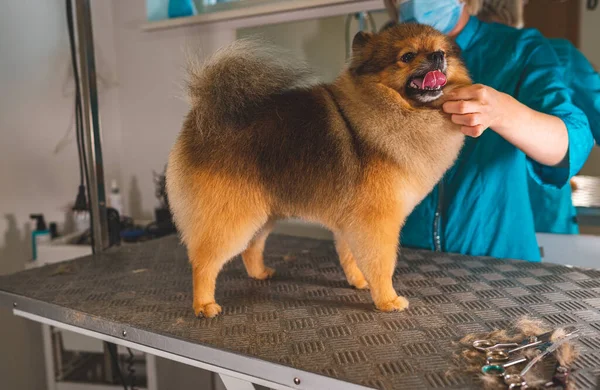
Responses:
[241,77]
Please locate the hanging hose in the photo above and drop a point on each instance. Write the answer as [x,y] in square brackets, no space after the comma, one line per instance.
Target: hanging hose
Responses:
[361,17]
[372,22]
[347,35]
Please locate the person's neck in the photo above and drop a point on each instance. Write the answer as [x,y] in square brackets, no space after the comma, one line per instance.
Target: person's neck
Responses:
[462,22]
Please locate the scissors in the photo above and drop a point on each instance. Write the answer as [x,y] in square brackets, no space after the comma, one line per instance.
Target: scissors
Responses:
[496,369]
[495,353]
[528,342]
[517,381]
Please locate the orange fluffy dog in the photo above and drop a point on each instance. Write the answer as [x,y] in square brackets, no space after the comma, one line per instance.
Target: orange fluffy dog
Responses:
[261,143]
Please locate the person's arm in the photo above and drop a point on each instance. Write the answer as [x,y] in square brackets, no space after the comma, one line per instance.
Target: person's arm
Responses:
[540,136]
[541,119]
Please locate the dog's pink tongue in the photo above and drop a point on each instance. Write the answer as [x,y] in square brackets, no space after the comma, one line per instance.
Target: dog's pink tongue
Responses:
[434,79]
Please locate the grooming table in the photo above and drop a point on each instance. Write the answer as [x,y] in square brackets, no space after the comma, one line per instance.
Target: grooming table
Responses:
[306,328]
[586,199]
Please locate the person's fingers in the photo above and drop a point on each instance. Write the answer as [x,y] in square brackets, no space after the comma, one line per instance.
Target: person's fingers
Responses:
[472,92]
[461,107]
[467,119]
[473,131]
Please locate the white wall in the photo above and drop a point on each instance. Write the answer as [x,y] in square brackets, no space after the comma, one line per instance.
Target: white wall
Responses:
[151,99]
[36,106]
[320,42]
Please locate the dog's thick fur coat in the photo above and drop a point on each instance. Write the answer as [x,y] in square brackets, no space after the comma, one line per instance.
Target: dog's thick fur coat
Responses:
[262,142]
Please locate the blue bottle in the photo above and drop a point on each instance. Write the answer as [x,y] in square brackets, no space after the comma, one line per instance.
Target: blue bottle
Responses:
[181,8]
[40,235]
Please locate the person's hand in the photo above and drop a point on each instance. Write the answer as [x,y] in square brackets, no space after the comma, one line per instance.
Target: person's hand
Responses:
[475,108]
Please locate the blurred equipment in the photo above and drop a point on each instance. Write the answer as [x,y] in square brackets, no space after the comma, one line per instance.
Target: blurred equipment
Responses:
[586,199]
[363,18]
[114,198]
[162,214]
[163,219]
[40,235]
[87,115]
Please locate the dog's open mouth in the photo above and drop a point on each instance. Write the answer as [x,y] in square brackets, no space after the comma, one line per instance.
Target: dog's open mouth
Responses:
[431,81]
[426,87]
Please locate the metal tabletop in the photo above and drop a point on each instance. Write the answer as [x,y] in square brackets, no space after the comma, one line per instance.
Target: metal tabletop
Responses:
[307,324]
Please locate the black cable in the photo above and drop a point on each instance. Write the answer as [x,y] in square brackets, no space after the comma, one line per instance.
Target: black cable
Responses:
[77,114]
[81,203]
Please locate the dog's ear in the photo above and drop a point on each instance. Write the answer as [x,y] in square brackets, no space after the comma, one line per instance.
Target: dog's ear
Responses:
[360,40]
[362,54]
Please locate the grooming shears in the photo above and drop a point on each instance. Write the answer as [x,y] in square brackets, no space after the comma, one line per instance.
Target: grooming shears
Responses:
[517,381]
[496,352]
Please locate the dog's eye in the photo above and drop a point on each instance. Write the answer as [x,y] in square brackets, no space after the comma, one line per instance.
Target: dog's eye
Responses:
[408,57]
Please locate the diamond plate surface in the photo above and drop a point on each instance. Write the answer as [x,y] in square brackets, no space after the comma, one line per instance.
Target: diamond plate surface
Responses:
[308,317]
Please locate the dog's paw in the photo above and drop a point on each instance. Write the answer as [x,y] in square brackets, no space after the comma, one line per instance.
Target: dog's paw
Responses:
[207,310]
[264,274]
[397,304]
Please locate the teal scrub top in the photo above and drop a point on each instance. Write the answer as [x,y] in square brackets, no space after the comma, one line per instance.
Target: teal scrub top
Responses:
[553,210]
[481,206]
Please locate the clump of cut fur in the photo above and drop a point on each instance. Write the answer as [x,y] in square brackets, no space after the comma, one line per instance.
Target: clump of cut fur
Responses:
[243,76]
[471,360]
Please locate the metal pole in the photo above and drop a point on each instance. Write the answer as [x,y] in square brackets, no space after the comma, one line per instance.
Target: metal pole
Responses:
[91,121]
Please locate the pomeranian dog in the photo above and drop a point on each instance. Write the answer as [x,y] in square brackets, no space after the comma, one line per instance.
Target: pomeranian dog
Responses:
[262,142]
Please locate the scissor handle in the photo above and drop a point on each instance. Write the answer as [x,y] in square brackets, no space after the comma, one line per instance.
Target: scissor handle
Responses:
[514,381]
[486,345]
[496,355]
[493,370]
[499,369]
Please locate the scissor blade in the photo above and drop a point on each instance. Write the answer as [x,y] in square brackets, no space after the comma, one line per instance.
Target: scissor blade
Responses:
[533,341]
[545,337]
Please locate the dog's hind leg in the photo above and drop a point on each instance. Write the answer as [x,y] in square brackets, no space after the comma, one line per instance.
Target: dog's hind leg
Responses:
[253,255]
[216,225]
[209,250]
[354,276]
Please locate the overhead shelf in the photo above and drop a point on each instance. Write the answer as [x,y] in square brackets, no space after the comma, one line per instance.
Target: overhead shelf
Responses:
[270,13]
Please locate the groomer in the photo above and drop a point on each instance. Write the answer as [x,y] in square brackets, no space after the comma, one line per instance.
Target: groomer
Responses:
[553,210]
[520,120]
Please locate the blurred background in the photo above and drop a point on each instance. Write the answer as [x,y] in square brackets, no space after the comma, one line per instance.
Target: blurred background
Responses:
[140,56]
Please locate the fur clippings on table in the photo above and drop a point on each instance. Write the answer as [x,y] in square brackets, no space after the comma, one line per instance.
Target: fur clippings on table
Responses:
[472,360]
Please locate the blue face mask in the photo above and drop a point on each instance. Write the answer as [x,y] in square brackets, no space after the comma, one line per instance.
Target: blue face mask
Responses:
[443,15]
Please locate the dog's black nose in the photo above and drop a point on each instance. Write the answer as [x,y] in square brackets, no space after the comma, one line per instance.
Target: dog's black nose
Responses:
[437,57]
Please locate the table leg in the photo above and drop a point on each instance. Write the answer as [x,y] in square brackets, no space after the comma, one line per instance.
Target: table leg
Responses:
[232,383]
[49,357]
